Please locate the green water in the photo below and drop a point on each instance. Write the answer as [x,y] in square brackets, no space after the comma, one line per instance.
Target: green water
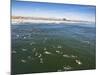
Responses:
[40,48]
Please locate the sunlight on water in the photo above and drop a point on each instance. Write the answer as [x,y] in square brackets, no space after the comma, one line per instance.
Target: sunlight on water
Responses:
[52,47]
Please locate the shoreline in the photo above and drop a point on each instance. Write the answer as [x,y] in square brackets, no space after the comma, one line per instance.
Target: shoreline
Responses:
[16,21]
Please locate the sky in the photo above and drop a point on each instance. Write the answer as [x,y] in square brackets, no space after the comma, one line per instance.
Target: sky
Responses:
[53,10]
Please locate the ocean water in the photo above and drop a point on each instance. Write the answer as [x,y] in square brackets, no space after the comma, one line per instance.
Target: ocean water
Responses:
[42,47]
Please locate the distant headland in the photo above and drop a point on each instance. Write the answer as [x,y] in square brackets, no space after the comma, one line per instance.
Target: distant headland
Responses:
[24,19]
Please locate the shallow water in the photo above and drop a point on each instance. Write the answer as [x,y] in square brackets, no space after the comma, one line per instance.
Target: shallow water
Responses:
[52,47]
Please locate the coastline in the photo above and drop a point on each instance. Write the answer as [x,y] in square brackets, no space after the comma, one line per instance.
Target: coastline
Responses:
[17,21]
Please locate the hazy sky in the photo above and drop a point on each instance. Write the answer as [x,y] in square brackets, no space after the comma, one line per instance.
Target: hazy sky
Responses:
[35,9]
